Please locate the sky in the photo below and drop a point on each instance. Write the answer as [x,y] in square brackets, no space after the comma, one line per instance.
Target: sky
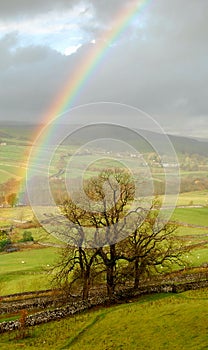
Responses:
[158,64]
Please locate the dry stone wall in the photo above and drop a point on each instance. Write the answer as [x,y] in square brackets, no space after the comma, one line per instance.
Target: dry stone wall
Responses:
[80,306]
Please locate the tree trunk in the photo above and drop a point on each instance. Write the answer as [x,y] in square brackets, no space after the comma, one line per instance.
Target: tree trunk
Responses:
[136,274]
[86,284]
[110,281]
[111,271]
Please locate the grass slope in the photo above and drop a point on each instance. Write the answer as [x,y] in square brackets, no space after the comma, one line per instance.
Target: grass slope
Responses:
[162,321]
[194,216]
[25,270]
[16,276]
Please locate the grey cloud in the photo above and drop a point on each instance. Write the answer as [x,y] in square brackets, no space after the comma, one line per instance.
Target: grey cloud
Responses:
[35,54]
[22,8]
[152,76]
[161,69]
[30,79]
[104,9]
[6,45]
[9,40]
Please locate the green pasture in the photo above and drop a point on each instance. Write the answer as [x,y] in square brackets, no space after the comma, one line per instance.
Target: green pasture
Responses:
[197,216]
[192,216]
[5,176]
[25,270]
[16,276]
[163,321]
[13,171]
[195,198]
[192,232]
[13,168]
[38,234]
[92,168]
[172,172]
[13,152]
[16,213]
[199,256]
[197,235]
[197,173]
[13,160]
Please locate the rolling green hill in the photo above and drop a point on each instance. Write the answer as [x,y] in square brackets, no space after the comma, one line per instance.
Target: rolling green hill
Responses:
[164,321]
[17,132]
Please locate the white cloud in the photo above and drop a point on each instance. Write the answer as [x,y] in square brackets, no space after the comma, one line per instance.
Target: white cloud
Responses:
[58,29]
[71,49]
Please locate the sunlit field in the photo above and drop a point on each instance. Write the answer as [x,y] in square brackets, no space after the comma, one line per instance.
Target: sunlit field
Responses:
[16,276]
[26,270]
[164,321]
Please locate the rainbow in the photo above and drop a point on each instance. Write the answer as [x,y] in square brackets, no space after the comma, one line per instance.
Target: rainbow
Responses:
[76,83]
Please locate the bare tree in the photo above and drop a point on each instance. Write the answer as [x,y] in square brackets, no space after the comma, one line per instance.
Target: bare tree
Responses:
[105,234]
[76,268]
[153,246]
[76,261]
[96,223]
[114,190]
[150,248]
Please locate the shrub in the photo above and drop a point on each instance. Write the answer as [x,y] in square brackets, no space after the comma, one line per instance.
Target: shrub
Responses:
[4,243]
[27,237]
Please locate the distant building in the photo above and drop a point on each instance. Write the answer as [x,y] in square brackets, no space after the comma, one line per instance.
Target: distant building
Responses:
[169,165]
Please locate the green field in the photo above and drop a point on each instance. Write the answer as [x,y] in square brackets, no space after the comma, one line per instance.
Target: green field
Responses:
[13,162]
[192,216]
[17,277]
[8,215]
[190,198]
[164,321]
[25,270]
[5,175]
[194,228]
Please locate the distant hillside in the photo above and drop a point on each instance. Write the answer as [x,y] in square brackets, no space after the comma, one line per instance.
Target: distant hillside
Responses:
[14,131]
[17,133]
[189,145]
[17,130]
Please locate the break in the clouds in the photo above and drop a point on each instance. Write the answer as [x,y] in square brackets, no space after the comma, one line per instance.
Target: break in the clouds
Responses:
[158,64]
[59,27]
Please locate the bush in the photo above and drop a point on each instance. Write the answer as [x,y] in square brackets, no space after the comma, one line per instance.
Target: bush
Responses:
[4,243]
[27,237]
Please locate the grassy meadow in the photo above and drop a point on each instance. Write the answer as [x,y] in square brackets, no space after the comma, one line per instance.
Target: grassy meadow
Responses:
[25,270]
[13,161]
[192,216]
[16,276]
[164,321]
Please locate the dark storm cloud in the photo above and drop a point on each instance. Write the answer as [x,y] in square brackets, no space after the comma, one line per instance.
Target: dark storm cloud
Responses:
[166,72]
[161,68]
[30,76]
